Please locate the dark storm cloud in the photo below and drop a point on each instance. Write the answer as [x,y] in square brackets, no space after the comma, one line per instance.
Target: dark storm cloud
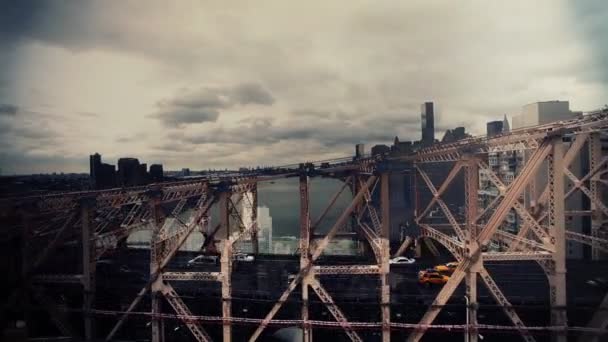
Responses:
[591,17]
[327,71]
[51,22]
[173,147]
[19,18]
[204,105]
[22,162]
[90,25]
[8,109]
[318,126]
[251,93]
[177,116]
[26,134]
[36,133]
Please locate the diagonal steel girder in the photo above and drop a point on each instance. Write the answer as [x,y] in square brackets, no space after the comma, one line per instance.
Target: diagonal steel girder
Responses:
[404,245]
[502,300]
[315,255]
[490,228]
[442,188]
[335,310]
[441,203]
[514,192]
[529,221]
[59,317]
[455,247]
[182,310]
[578,184]
[572,152]
[371,210]
[330,205]
[591,173]
[179,241]
[598,321]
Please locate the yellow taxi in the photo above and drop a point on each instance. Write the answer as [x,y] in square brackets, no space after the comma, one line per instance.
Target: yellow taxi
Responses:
[432,277]
[447,268]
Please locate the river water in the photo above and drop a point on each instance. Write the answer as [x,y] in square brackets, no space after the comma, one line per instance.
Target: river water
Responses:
[278,218]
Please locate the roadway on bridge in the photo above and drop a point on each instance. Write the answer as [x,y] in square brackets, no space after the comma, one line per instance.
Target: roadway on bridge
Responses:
[257,285]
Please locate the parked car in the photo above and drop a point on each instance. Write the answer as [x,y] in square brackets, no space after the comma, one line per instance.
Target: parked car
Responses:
[432,278]
[203,260]
[401,260]
[244,257]
[599,283]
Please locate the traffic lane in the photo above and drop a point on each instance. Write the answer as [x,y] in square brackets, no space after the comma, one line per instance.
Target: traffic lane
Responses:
[515,279]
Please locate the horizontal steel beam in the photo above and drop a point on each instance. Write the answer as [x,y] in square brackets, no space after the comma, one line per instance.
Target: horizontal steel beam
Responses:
[192,276]
[350,269]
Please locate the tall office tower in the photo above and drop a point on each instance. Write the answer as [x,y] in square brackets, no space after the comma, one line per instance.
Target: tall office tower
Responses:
[540,113]
[427,117]
[505,124]
[494,128]
[95,168]
[102,175]
[130,172]
[156,172]
[359,150]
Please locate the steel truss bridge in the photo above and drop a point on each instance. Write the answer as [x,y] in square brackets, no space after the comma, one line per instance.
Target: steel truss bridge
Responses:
[97,222]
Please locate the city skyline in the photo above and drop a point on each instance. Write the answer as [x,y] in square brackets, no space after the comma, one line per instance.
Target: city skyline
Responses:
[221,86]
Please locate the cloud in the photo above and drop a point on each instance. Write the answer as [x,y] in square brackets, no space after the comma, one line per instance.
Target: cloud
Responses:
[88,114]
[174,146]
[205,104]
[326,80]
[591,23]
[23,162]
[8,109]
[327,128]
[175,116]
[251,93]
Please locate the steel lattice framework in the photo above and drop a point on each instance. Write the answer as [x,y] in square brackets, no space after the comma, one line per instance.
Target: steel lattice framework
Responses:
[100,221]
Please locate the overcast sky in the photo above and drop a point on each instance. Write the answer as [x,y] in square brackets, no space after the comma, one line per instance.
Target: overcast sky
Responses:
[204,84]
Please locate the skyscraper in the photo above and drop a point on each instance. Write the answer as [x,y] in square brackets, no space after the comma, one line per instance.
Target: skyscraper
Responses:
[359,150]
[494,128]
[505,124]
[102,175]
[130,172]
[95,168]
[156,172]
[427,117]
[540,113]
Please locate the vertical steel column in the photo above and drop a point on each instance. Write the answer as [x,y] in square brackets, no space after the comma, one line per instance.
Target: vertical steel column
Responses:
[471,194]
[595,156]
[557,233]
[254,221]
[155,255]
[226,266]
[355,186]
[88,266]
[305,252]
[385,295]
[26,213]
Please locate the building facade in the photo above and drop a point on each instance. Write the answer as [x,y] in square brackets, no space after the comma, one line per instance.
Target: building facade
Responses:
[156,172]
[131,172]
[359,150]
[543,113]
[494,128]
[102,176]
[427,117]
